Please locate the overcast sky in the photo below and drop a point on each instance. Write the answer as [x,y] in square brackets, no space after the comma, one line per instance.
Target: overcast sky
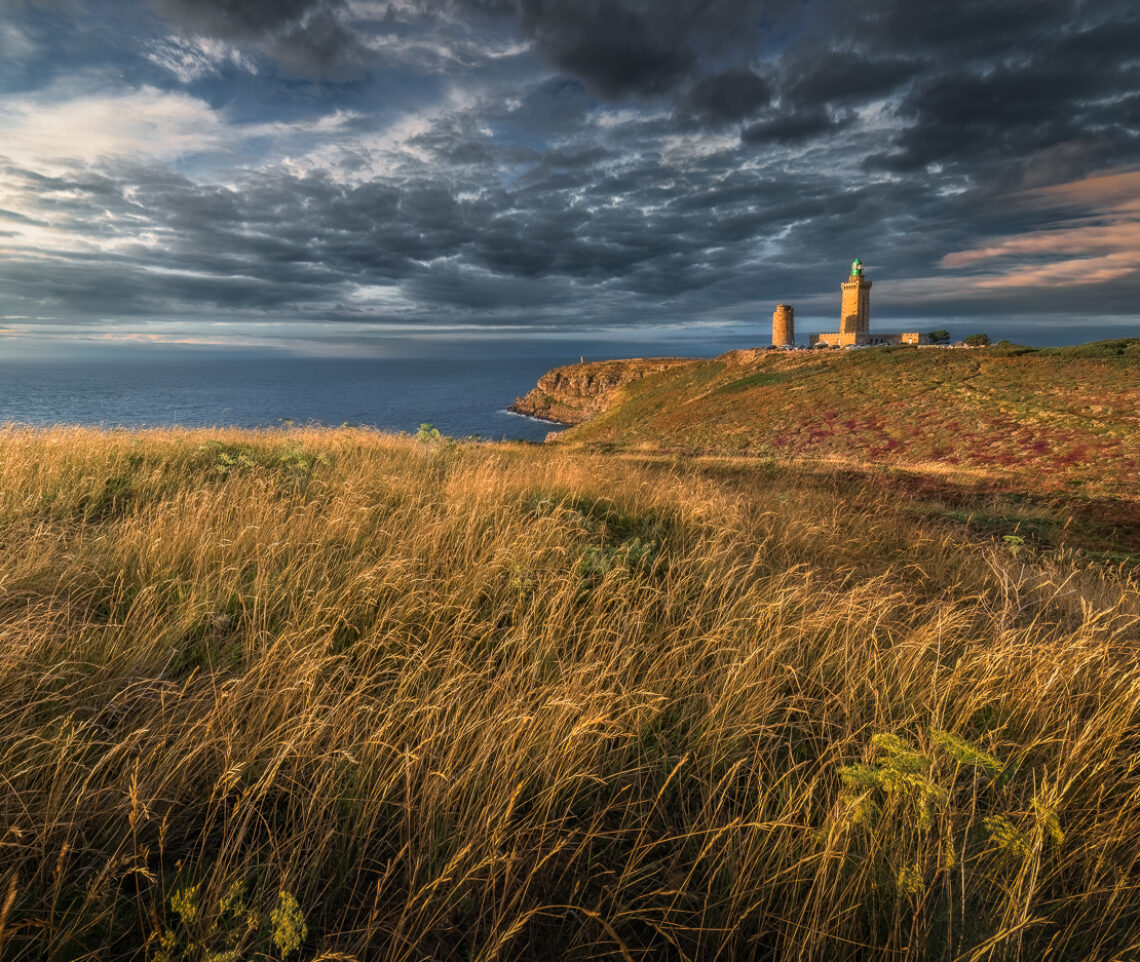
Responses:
[334,172]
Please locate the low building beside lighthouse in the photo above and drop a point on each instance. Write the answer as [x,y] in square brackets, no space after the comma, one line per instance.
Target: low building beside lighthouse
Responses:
[855,318]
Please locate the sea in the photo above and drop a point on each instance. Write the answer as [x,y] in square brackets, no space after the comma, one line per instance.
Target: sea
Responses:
[462,394]
[461,388]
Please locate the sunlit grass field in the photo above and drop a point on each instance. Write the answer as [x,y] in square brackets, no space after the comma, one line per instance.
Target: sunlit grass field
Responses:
[336,695]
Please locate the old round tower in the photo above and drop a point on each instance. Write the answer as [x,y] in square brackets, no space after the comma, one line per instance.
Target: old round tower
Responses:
[855,315]
[783,326]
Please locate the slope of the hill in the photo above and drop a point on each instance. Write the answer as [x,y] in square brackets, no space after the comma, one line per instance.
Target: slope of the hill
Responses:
[576,392]
[1061,417]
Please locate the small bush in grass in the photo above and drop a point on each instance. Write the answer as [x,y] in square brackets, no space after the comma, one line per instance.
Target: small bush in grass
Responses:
[428,434]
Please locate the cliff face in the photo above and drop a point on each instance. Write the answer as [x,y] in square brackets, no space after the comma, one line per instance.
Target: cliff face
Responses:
[577,392]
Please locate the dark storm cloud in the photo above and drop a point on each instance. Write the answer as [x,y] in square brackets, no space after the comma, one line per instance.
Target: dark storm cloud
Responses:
[985,112]
[638,46]
[472,289]
[729,96]
[845,77]
[549,107]
[307,37]
[216,247]
[968,28]
[302,242]
[968,80]
[635,247]
[793,126]
[999,84]
[244,18]
[642,47]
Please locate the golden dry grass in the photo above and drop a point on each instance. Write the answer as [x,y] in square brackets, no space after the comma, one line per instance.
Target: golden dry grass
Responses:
[495,702]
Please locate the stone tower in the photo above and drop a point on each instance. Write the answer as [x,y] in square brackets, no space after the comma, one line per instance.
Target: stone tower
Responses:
[855,316]
[783,326]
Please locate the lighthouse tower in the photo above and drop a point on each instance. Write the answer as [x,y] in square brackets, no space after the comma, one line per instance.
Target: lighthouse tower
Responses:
[784,326]
[855,314]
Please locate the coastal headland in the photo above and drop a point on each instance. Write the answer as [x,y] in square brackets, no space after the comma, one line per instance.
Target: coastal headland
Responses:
[577,392]
[1063,417]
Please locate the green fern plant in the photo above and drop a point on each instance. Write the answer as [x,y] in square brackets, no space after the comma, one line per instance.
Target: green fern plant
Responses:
[898,770]
[230,929]
[965,753]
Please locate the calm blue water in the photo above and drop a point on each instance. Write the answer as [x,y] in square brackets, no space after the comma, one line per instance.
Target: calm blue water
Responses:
[461,396]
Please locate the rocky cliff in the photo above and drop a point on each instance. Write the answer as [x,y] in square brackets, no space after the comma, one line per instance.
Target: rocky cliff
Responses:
[577,392]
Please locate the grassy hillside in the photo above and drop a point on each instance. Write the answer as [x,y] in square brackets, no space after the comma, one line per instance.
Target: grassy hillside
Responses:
[1065,418]
[333,695]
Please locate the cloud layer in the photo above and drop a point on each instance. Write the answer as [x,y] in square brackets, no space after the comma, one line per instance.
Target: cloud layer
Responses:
[559,164]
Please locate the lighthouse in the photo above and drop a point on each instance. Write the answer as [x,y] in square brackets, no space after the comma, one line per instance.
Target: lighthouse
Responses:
[855,318]
[855,313]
